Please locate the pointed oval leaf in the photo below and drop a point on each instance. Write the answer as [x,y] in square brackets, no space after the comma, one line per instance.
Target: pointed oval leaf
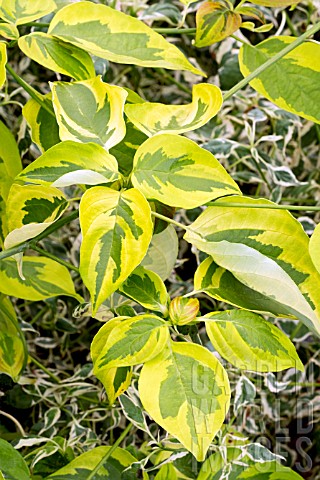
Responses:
[154,118]
[100,118]
[272,471]
[258,249]
[69,163]
[3,61]
[44,127]
[147,288]
[44,278]
[108,33]
[57,55]
[219,283]
[186,391]
[177,172]
[10,166]
[7,30]
[12,464]
[116,229]
[215,22]
[81,467]
[249,342]
[300,68]
[20,12]
[159,258]
[131,342]
[30,210]
[115,380]
[13,349]
[314,247]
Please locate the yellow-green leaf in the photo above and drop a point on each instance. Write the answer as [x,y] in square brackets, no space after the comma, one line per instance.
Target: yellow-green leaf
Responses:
[108,33]
[273,471]
[154,118]
[3,61]
[100,117]
[7,30]
[24,11]
[69,163]
[159,258]
[147,288]
[116,229]
[215,22]
[57,55]
[30,210]
[186,391]
[44,278]
[299,69]
[82,466]
[249,342]
[314,247]
[44,127]
[13,349]
[166,472]
[266,250]
[177,172]
[116,379]
[219,283]
[275,3]
[12,464]
[10,166]
[131,341]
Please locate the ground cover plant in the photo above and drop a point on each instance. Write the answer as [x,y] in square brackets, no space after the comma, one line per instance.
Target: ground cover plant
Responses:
[159,263]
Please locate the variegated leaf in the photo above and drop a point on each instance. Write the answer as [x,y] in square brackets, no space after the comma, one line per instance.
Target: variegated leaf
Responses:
[3,61]
[116,229]
[100,117]
[13,349]
[30,210]
[12,464]
[166,472]
[7,30]
[177,172]
[219,283]
[81,467]
[186,391]
[57,55]
[154,118]
[249,342]
[44,127]
[159,258]
[10,166]
[314,247]
[108,33]
[131,341]
[71,163]
[116,379]
[296,96]
[147,288]
[44,278]
[259,250]
[215,22]
[24,11]
[126,149]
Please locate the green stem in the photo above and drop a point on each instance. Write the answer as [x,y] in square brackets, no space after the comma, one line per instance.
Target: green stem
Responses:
[53,257]
[266,205]
[44,369]
[271,61]
[175,31]
[110,452]
[291,26]
[55,226]
[32,91]
[170,220]
[36,24]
